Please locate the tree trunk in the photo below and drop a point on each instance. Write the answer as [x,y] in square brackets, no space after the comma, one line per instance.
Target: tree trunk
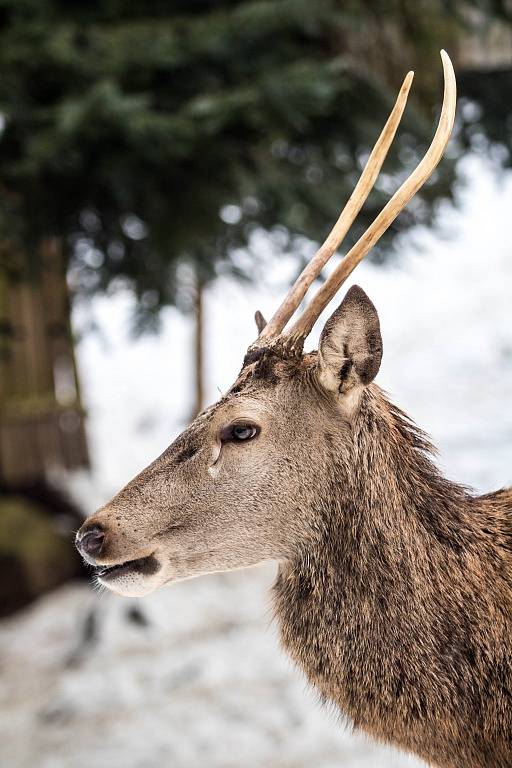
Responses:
[198,347]
[41,417]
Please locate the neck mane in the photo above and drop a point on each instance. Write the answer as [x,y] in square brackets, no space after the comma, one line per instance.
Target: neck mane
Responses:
[400,612]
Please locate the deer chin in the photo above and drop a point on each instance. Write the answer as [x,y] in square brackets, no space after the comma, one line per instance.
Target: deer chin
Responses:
[132,578]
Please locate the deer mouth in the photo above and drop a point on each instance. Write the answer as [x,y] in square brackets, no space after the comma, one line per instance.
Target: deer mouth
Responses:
[142,566]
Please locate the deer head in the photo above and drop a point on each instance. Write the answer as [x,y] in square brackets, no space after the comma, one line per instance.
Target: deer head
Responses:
[247,480]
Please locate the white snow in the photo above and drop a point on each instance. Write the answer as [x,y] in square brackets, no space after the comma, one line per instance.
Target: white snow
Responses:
[205,684]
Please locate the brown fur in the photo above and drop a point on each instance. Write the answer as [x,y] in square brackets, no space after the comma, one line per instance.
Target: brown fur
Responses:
[401,611]
[394,591]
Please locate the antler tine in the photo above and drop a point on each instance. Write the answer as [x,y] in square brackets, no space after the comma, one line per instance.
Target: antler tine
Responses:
[406,191]
[345,220]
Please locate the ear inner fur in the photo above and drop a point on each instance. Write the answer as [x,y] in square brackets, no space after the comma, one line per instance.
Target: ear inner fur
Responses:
[350,349]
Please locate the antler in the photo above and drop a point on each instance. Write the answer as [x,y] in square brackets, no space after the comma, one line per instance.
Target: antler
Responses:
[345,220]
[295,337]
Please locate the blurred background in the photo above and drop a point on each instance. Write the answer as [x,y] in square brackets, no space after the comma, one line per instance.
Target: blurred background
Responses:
[166,168]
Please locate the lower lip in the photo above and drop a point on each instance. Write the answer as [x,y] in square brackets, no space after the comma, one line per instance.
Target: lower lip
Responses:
[144,566]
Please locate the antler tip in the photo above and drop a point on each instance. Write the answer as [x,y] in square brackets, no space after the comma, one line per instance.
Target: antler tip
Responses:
[445,58]
[406,85]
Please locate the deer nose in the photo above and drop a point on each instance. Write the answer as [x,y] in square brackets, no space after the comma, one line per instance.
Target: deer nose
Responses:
[89,541]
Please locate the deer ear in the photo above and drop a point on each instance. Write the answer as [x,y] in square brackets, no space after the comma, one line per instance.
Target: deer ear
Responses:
[350,348]
[260,321]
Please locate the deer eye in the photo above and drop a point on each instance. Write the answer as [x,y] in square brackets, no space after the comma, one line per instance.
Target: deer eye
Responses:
[239,433]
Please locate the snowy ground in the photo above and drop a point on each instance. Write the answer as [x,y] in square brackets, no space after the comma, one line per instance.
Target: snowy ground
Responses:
[205,684]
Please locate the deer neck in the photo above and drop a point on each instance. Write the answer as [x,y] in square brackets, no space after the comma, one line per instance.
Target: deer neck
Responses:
[389,608]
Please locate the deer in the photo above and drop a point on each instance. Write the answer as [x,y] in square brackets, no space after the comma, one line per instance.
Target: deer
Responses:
[393,591]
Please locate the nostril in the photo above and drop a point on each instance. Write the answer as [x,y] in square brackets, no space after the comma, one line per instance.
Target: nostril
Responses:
[90,541]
